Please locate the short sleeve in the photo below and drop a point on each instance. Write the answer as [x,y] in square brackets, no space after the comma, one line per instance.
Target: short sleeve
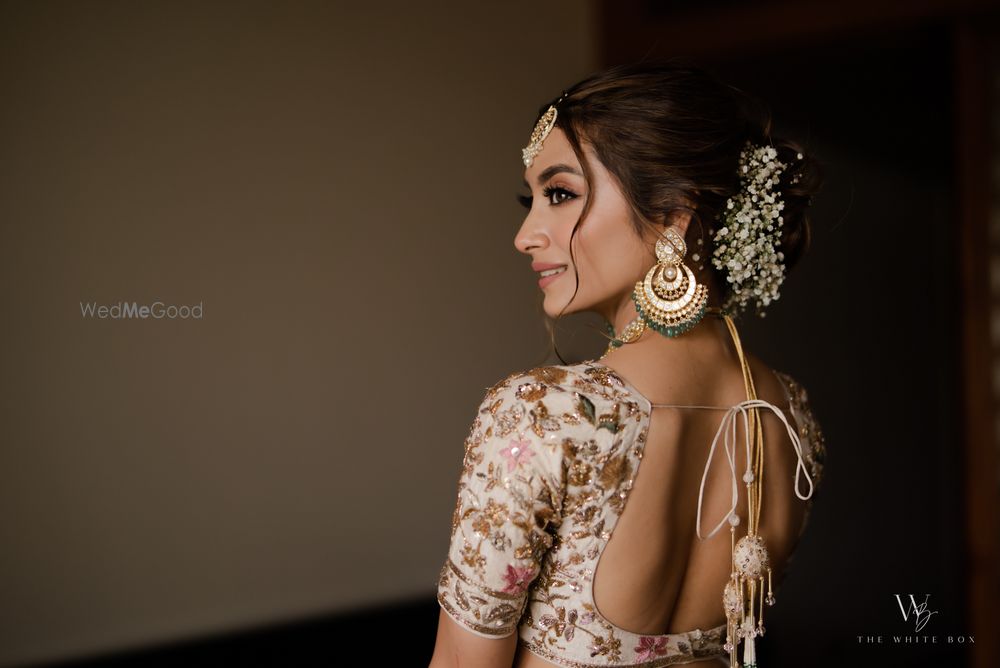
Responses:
[508,506]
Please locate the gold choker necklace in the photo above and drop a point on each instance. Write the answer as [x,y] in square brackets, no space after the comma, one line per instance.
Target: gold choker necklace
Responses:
[635,329]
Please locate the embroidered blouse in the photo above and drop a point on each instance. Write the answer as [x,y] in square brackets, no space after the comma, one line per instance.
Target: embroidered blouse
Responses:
[549,462]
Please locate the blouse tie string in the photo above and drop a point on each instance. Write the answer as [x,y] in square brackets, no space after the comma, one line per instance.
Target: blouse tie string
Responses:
[729,444]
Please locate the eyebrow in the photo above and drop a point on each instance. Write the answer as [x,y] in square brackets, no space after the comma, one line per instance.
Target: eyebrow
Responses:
[549,172]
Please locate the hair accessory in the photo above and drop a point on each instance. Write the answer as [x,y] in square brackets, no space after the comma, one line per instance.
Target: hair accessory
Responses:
[542,129]
[746,246]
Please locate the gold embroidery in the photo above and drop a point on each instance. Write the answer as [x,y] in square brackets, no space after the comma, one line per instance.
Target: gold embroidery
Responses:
[531,391]
[507,420]
[528,529]
[603,375]
[612,472]
[808,427]
[611,420]
[550,375]
[579,473]
[541,422]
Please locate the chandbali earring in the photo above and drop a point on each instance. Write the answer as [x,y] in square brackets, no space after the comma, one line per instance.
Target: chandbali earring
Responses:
[669,299]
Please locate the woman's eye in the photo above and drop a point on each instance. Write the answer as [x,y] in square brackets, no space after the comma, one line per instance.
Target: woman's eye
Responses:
[554,195]
[557,195]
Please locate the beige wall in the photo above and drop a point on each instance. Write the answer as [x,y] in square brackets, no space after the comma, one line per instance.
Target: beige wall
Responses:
[336,187]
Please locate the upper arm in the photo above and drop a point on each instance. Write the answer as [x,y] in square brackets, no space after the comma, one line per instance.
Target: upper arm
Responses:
[508,503]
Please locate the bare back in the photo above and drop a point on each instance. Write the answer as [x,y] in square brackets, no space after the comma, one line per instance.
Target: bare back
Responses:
[655,575]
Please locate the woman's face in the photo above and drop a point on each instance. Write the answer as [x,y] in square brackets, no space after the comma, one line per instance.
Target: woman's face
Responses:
[610,256]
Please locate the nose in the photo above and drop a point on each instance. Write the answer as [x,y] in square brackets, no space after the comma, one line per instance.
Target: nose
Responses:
[531,236]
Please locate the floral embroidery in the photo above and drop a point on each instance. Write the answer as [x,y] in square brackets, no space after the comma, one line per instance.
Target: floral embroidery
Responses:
[651,647]
[517,453]
[549,462]
[564,624]
[609,647]
[551,375]
[508,420]
[541,422]
[517,578]
[531,391]
[611,420]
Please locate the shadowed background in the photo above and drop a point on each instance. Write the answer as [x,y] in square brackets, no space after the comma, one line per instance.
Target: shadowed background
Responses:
[334,186]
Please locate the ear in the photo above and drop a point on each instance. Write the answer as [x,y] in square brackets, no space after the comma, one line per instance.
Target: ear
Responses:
[680,219]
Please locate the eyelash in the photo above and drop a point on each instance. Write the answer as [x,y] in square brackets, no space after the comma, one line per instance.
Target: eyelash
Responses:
[548,191]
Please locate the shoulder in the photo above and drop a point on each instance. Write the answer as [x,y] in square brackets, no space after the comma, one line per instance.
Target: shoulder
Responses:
[538,380]
[808,425]
[570,397]
[561,382]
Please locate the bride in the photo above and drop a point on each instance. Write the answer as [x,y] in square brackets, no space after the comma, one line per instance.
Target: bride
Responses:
[657,200]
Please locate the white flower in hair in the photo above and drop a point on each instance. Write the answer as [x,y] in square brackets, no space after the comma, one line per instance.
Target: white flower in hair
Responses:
[746,244]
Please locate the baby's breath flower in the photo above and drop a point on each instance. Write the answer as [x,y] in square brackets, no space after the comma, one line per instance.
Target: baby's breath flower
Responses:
[746,244]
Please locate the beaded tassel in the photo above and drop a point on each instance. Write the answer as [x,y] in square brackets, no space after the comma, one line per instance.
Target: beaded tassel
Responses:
[750,557]
[743,597]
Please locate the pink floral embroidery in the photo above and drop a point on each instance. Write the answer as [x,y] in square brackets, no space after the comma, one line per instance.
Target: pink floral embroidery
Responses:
[649,648]
[518,579]
[566,628]
[517,453]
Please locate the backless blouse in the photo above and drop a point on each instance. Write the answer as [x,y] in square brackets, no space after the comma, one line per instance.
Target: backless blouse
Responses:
[549,462]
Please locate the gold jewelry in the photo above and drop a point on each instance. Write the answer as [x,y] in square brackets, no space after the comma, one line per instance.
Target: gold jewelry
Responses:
[750,558]
[669,299]
[542,129]
[630,334]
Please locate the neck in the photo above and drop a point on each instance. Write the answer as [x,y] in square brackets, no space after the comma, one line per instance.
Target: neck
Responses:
[710,334]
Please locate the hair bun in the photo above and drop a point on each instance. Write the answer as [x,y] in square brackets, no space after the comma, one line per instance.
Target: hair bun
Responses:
[801,179]
[672,134]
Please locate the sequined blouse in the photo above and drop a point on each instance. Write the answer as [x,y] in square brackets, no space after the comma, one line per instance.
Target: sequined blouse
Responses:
[549,462]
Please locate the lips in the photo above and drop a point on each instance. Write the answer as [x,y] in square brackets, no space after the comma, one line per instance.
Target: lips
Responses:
[549,272]
[542,266]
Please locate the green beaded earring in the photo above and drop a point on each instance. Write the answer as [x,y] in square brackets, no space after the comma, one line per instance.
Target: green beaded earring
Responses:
[669,299]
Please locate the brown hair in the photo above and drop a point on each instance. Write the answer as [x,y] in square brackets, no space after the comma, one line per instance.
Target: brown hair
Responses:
[671,134]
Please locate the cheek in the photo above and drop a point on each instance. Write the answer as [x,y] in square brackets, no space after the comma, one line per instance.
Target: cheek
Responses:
[564,235]
[615,252]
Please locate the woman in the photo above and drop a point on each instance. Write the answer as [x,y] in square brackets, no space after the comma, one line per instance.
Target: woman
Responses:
[628,170]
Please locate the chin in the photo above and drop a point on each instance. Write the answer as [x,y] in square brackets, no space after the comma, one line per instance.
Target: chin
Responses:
[555,303]
[552,306]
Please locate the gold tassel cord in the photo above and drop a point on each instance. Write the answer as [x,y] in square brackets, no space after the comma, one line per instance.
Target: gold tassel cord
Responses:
[744,595]
[744,612]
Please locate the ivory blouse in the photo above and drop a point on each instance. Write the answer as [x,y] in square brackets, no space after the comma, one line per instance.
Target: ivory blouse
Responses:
[549,462]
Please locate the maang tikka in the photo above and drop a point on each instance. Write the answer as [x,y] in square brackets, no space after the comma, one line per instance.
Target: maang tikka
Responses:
[543,127]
